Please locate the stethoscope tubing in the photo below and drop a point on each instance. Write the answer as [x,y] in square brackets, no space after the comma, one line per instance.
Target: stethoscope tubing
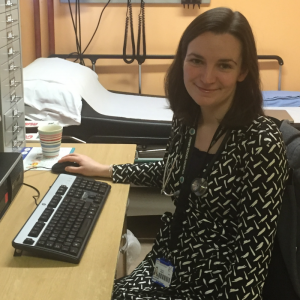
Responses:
[203,186]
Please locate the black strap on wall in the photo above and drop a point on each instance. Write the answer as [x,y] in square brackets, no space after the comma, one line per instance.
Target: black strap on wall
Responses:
[128,23]
[141,35]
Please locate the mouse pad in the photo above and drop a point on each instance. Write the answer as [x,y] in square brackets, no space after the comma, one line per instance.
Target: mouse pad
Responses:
[33,157]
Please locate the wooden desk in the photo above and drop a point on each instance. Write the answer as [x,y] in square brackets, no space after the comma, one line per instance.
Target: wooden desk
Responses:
[35,278]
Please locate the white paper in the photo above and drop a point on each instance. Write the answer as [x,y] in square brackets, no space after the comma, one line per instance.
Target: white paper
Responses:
[33,158]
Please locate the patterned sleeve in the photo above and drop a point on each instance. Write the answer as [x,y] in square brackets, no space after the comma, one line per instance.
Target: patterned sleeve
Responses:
[147,174]
[265,171]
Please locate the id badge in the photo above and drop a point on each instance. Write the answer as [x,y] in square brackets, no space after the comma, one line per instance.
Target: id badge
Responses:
[163,271]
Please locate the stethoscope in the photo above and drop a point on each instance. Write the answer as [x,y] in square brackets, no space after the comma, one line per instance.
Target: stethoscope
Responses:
[199,185]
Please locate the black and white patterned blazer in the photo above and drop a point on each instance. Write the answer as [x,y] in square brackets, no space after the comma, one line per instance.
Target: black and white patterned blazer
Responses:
[227,237]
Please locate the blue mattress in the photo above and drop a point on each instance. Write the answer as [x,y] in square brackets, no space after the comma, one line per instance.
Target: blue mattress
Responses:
[281,99]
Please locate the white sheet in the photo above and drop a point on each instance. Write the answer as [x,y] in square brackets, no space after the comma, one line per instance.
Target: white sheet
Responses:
[83,81]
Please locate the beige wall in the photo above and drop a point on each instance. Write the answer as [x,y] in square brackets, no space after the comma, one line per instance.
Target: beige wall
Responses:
[27,30]
[275,25]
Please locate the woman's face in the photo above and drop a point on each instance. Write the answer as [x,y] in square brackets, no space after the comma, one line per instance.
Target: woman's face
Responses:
[212,68]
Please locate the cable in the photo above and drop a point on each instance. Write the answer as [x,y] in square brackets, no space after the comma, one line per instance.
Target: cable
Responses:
[34,197]
[79,23]
[38,195]
[97,26]
[77,31]
[74,27]
[38,167]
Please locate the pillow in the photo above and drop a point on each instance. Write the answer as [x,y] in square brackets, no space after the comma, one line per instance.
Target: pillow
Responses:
[50,101]
[53,88]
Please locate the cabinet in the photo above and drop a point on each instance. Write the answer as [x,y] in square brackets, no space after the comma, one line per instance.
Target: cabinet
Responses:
[12,115]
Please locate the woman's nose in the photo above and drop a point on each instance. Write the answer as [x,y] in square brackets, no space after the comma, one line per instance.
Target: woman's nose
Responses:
[208,75]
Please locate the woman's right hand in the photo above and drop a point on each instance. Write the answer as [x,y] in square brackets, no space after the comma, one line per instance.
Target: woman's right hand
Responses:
[87,166]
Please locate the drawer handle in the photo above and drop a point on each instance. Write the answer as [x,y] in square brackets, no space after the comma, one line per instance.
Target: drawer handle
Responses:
[16,128]
[14,98]
[12,67]
[9,3]
[16,143]
[11,51]
[16,113]
[14,83]
[9,19]
[11,36]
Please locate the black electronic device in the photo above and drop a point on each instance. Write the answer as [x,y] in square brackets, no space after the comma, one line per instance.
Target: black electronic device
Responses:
[60,226]
[11,178]
[59,168]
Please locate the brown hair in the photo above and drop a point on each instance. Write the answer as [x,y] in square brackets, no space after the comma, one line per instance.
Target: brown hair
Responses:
[247,101]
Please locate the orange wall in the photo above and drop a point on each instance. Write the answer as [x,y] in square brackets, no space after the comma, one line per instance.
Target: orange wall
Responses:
[274,26]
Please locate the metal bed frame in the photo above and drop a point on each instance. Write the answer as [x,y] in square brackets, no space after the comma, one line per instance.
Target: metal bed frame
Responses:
[94,57]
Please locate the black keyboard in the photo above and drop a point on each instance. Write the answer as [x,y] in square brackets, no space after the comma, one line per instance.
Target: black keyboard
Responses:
[60,226]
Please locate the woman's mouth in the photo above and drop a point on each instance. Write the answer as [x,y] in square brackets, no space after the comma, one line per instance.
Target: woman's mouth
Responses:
[205,90]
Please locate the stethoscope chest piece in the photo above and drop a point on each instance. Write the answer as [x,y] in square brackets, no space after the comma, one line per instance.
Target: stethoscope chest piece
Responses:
[199,186]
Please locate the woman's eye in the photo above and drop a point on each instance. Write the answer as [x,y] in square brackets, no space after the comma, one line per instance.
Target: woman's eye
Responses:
[225,66]
[196,61]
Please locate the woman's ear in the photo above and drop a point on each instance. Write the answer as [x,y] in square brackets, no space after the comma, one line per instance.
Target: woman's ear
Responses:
[242,75]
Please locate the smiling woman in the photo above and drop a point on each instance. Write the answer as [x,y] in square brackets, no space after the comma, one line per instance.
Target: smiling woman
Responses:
[218,241]
[225,168]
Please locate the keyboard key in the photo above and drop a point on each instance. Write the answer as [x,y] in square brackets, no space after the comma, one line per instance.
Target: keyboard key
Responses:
[102,190]
[41,243]
[84,228]
[57,246]
[28,241]
[65,249]
[49,244]
[34,233]
[74,250]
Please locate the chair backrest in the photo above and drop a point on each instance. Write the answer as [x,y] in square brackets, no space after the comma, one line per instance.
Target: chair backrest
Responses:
[289,219]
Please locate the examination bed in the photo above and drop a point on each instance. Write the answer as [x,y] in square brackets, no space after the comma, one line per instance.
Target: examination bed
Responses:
[146,121]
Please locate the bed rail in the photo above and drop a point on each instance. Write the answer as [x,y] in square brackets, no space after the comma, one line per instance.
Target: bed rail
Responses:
[94,57]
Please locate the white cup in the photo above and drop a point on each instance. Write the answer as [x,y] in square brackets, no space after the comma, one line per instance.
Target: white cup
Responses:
[50,139]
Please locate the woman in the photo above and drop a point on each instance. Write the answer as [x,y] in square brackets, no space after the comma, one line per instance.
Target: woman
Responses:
[225,168]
